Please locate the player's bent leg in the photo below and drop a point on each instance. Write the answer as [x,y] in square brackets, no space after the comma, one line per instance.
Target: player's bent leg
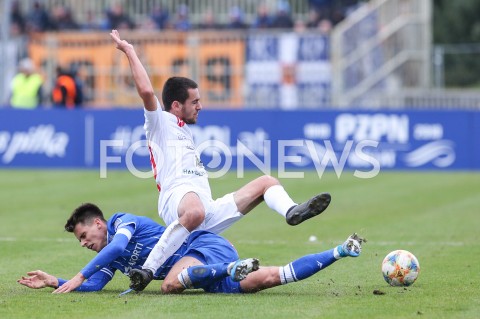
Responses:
[210,277]
[251,194]
[263,278]
[191,212]
[171,239]
[302,268]
[171,284]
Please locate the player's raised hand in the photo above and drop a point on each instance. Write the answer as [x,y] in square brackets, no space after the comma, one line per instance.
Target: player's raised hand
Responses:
[122,45]
[70,285]
[38,279]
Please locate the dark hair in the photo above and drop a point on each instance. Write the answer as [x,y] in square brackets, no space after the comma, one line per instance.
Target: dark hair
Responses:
[176,89]
[83,214]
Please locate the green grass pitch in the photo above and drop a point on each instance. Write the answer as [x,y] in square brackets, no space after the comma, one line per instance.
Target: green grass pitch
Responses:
[435,215]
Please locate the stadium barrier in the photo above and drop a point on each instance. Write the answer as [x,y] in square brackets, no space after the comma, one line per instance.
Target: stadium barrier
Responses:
[272,141]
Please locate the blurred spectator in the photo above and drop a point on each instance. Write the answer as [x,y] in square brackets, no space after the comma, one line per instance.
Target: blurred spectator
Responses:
[182,23]
[118,19]
[26,87]
[15,30]
[263,19]
[79,97]
[38,19]
[348,6]
[324,27]
[160,17]
[236,19]
[300,26]
[64,92]
[17,20]
[282,19]
[208,21]
[312,19]
[61,18]
[147,24]
[337,15]
[91,23]
[321,5]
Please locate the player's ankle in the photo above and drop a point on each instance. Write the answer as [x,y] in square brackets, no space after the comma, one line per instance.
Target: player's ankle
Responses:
[152,270]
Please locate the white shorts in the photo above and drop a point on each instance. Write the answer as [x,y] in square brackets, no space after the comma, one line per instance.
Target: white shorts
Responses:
[219,214]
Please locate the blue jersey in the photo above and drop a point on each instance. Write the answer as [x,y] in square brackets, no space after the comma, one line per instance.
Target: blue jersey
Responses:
[207,247]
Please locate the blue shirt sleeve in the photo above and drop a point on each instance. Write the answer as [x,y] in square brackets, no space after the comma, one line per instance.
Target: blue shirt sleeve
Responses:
[109,253]
[95,283]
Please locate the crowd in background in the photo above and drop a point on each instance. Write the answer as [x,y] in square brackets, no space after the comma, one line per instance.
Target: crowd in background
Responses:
[26,87]
[38,18]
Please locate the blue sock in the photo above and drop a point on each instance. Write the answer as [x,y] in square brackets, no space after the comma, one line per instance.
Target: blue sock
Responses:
[202,276]
[306,266]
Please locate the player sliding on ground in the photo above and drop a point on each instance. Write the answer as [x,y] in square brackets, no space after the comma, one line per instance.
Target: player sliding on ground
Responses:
[205,260]
[185,201]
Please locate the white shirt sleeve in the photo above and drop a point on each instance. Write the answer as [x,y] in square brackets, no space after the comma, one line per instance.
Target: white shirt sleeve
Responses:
[155,124]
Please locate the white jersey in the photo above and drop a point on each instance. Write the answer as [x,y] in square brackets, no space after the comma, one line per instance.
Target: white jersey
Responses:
[174,158]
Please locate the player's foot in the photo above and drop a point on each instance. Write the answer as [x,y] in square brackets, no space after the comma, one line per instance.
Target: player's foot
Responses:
[140,278]
[311,208]
[239,269]
[352,246]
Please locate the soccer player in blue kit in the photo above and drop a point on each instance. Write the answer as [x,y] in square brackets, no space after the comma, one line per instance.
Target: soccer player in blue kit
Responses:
[205,260]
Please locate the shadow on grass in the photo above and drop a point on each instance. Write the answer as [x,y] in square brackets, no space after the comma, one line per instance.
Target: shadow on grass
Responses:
[199,293]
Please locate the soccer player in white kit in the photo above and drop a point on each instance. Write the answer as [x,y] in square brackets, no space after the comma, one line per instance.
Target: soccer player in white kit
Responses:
[185,201]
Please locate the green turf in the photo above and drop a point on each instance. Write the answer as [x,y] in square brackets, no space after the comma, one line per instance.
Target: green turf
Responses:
[434,215]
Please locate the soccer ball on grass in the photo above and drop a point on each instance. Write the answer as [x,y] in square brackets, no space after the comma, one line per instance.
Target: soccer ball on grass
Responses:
[400,268]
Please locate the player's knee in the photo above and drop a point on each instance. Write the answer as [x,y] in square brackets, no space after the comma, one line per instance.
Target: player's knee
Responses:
[197,216]
[193,218]
[171,287]
[269,181]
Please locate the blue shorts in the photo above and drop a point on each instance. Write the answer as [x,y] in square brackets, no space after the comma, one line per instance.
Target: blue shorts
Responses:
[209,248]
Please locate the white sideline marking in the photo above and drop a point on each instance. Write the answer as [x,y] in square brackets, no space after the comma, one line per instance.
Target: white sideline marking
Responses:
[273,242]
[370,242]
[44,239]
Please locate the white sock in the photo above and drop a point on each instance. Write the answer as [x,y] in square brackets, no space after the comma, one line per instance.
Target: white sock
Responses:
[277,199]
[287,274]
[184,279]
[171,240]
[336,252]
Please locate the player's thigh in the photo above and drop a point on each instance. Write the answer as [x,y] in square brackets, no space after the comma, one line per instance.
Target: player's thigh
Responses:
[190,203]
[191,212]
[250,195]
[171,283]
[178,203]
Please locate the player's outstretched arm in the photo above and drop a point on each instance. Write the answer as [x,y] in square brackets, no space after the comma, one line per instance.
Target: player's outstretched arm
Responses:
[140,76]
[71,285]
[38,279]
[106,256]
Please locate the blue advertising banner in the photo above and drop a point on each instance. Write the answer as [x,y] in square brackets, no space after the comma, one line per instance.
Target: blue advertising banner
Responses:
[363,141]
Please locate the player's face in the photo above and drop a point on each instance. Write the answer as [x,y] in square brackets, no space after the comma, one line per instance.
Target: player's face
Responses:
[91,235]
[191,107]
